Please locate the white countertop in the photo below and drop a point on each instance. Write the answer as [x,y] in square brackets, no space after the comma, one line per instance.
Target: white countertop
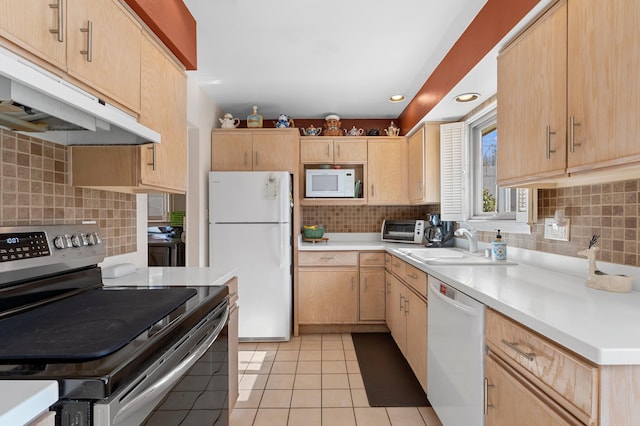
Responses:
[601,326]
[23,400]
[176,276]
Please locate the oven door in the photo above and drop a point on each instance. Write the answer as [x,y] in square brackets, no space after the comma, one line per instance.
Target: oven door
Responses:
[138,400]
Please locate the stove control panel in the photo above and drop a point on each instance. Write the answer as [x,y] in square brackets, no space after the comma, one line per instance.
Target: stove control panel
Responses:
[36,250]
[23,245]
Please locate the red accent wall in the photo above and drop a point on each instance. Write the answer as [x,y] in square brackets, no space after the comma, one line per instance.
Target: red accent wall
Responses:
[172,22]
[492,23]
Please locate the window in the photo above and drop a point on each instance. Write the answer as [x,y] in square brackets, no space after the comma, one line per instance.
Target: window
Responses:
[469,188]
[488,200]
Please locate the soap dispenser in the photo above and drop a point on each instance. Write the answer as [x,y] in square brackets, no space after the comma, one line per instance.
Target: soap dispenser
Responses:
[498,248]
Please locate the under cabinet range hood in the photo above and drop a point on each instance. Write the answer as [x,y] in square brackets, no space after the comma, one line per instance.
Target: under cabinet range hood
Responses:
[37,103]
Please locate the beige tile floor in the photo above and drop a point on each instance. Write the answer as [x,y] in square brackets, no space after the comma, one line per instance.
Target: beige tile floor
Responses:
[312,380]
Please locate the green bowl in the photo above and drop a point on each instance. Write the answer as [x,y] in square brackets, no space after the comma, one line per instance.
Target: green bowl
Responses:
[313,233]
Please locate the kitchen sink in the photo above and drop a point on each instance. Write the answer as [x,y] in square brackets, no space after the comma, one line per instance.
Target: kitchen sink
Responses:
[451,256]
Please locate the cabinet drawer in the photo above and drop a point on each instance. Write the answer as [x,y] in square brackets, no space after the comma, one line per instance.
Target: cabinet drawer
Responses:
[372,259]
[563,374]
[415,278]
[397,266]
[328,258]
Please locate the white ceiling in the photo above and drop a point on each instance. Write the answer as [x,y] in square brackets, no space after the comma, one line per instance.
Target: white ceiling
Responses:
[308,58]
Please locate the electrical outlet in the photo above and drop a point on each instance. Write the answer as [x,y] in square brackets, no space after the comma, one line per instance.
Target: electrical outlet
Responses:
[553,231]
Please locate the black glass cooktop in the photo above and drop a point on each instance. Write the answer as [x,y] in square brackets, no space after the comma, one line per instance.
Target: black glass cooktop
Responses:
[86,326]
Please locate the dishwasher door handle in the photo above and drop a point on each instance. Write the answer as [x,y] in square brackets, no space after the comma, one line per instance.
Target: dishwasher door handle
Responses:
[469,310]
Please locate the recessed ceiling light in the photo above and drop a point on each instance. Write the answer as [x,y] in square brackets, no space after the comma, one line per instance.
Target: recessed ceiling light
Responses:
[467,97]
[396,98]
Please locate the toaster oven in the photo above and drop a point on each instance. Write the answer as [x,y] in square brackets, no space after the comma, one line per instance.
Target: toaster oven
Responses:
[403,231]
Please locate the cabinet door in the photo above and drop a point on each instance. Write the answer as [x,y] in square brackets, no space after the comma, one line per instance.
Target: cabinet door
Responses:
[398,319]
[28,24]
[372,294]
[231,151]
[423,165]
[274,151]
[112,64]
[603,100]
[350,150]
[514,401]
[532,75]
[327,297]
[388,279]
[387,178]
[164,109]
[314,150]
[416,352]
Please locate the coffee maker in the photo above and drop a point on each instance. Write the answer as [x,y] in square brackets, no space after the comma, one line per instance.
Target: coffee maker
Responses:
[438,233]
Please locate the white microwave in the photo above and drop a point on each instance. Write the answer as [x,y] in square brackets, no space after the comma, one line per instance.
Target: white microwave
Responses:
[330,183]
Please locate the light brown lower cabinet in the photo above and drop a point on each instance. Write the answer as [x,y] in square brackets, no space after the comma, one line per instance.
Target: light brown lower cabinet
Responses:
[512,400]
[328,296]
[371,306]
[407,316]
[341,287]
[232,341]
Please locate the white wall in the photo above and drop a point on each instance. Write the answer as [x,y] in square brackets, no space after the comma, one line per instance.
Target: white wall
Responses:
[202,116]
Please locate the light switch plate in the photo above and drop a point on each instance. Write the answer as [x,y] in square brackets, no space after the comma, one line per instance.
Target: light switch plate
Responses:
[552,231]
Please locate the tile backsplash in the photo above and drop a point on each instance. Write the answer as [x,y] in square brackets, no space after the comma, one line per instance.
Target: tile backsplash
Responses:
[611,210]
[34,188]
[361,218]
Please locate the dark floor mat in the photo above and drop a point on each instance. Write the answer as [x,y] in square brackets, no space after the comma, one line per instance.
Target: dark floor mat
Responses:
[387,376]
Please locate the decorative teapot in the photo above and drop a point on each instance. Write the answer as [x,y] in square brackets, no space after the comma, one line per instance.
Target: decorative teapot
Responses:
[332,125]
[311,131]
[392,130]
[353,132]
[284,121]
[228,122]
[373,132]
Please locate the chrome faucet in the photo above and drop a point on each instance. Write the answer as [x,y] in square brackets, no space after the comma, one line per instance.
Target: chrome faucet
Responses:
[471,235]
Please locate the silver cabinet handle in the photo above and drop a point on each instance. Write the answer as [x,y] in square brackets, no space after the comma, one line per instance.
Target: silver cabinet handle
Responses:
[246,158]
[327,257]
[352,286]
[486,396]
[89,31]
[60,29]
[257,158]
[549,150]
[328,150]
[153,156]
[338,150]
[365,284]
[412,276]
[514,345]
[371,190]
[401,304]
[406,306]
[572,125]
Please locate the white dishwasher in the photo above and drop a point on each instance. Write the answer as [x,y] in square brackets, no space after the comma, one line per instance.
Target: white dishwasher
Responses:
[455,356]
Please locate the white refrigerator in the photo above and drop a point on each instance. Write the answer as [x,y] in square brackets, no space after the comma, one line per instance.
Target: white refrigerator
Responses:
[250,228]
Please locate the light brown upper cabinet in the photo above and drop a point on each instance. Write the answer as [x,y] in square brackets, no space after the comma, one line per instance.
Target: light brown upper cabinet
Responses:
[29,24]
[153,167]
[386,176]
[321,150]
[423,164]
[103,48]
[566,103]
[96,42]
[251,149]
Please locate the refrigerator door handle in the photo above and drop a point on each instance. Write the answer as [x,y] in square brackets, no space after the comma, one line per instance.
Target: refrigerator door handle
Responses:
[283,247]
